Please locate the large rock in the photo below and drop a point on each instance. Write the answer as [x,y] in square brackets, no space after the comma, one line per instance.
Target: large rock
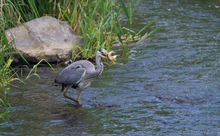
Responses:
[43,38]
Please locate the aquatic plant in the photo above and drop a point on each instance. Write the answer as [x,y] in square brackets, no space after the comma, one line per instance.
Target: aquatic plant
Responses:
[7,75]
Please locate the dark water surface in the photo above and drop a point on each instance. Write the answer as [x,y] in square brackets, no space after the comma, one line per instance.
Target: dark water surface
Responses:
[170,87]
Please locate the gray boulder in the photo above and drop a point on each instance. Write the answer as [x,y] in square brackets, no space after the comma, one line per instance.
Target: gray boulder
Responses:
[43,38]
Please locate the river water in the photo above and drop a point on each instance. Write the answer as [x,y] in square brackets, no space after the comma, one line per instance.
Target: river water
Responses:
[171,86]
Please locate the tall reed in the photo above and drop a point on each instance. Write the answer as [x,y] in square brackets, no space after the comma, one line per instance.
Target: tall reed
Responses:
[7,74]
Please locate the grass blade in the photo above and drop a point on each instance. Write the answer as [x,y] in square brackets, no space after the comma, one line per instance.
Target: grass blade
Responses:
[150,33]
[124,8]
[145,27]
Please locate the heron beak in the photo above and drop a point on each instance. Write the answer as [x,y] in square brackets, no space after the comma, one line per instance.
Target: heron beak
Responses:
[111,57]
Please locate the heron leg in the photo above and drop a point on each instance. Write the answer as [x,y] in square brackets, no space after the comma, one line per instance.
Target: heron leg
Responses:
[79,96]
[65,95]
[63,87]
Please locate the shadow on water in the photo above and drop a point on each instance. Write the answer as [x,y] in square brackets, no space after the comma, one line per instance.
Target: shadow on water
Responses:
[170,87]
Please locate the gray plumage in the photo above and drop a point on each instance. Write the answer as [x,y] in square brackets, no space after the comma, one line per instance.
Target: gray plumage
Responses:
[80,74]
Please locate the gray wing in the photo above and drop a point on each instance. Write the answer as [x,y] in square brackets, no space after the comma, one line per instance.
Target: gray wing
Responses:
[71,75]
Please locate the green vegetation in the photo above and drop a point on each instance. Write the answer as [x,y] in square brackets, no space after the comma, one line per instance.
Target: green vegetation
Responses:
[97,21]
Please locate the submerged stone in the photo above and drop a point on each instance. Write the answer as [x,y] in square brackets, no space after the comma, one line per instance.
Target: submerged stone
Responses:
[43,38]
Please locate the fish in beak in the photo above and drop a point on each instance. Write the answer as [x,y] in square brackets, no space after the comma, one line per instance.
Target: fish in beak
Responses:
[111,57]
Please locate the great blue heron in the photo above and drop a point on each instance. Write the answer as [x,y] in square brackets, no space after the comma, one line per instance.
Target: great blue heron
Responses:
[79,74]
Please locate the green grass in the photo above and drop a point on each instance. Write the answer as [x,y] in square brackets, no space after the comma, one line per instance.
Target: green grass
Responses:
[7,74]
[97,21]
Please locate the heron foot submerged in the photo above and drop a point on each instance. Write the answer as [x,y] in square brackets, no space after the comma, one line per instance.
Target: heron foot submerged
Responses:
[77,101]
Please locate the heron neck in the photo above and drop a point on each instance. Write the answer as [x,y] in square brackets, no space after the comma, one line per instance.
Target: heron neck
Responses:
[99,65]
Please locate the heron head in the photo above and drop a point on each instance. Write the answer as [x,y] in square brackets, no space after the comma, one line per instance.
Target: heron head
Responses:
[103,53]
[107,55]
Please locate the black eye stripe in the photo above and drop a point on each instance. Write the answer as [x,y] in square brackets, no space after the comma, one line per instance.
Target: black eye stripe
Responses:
[103,53]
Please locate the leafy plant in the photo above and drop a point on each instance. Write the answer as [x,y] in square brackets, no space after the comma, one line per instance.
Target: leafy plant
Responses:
[33,70]
[7,75]
[4,105]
